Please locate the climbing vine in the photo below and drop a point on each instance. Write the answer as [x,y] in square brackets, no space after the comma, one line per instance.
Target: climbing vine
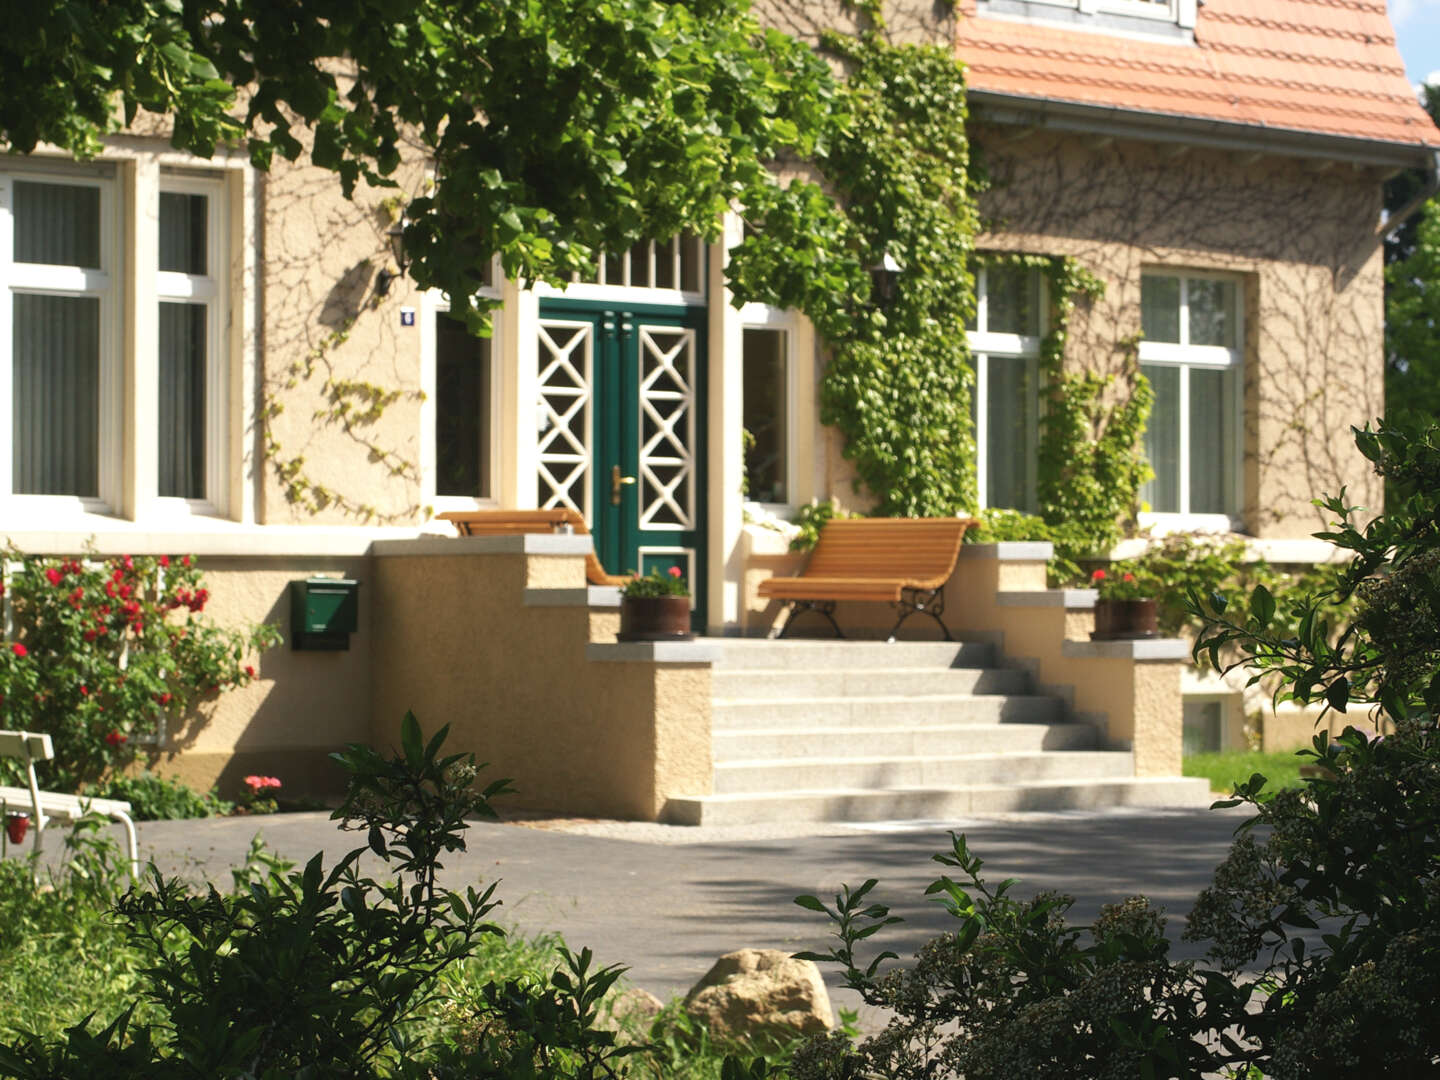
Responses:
[899,381]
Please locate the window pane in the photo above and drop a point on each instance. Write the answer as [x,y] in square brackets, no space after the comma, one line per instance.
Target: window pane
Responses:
[1012,300]
[1211,436]
[462,410]
[1160,308]
[58,224]
[1201,729]
[56,351]
[1010,432]
[1162,439]
[1212,312]
[764,415]
[182,401]
[183,235]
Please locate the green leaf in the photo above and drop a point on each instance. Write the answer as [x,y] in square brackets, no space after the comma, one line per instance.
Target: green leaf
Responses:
[1262,605]
[411,742]
[1338,694]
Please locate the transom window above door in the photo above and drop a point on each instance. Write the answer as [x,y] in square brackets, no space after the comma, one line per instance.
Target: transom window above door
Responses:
[1192,353]
[651,271]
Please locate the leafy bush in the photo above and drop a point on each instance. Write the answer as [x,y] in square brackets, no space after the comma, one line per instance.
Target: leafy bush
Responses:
[160,798]
[309,973]
[62,955]
[103,651]
[1322,925]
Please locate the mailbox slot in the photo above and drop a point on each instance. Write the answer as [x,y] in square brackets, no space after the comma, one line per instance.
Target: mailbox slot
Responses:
[324,612]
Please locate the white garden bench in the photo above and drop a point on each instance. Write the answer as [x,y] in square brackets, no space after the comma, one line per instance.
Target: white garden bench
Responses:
[47,806]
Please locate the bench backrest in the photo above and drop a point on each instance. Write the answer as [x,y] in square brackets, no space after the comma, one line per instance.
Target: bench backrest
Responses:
[28,746]
[918,551]
[513,522]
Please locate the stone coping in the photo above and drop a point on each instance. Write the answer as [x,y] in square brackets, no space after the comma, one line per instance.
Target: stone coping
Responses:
[517,544]
[1010,551]
[594,596]
[1070,599]
[1168,649]
[700,651]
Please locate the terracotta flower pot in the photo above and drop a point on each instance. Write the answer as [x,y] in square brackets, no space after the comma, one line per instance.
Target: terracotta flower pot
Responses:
[1125,620]
[655,618]
[16,826]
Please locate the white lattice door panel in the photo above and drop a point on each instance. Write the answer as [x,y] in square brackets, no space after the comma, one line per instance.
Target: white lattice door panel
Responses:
[666,358]
[564,443]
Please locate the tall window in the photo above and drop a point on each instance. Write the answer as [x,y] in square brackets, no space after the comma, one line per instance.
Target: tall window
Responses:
[766,412]
[1005,347]
[64,315]
[57,332]
[463,411]
[1192,355]
[191,403]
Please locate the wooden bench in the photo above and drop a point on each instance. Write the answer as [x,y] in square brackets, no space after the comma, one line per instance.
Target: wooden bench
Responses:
[46,806]
[513,522]
[904,562]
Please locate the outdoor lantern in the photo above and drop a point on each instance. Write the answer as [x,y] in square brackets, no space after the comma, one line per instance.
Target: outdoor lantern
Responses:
[884,279]
[396,237]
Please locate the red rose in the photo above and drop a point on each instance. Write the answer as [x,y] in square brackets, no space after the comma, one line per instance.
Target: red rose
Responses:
[674,571]
[84,690]
[90,634]
[164,698]
[1128,577]
[53,576]
[115,738]
[184,560]
[1098,575]
[19,649]
[250,670]
[129,563]
[165,560]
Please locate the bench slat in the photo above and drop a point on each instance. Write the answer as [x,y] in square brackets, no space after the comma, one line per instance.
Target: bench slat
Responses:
[516,522]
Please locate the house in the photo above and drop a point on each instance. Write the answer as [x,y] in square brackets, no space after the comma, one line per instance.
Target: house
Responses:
[197,357]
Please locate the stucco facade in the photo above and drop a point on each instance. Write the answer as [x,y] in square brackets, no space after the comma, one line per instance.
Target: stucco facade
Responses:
[324,443]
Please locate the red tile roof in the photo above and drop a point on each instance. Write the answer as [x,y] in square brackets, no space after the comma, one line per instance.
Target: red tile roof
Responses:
[1325,66]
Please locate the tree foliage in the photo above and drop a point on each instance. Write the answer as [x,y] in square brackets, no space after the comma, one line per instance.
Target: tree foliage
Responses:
[554,130]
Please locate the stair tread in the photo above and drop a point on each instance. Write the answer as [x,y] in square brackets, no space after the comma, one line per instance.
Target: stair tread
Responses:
[870,699]
[897,729]
[865,759]
[852,792]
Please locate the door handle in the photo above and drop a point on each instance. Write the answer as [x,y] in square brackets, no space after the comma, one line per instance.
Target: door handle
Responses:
[616,483]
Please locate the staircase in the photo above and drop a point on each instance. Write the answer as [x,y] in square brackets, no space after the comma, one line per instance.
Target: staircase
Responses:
[872,731]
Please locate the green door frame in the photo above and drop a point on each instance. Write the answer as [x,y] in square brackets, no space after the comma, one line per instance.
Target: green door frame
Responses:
[616,434]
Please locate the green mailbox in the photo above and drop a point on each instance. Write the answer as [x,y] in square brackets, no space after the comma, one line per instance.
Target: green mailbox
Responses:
[324,612]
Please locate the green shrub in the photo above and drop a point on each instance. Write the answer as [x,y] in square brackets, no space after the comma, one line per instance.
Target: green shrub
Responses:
[160,798]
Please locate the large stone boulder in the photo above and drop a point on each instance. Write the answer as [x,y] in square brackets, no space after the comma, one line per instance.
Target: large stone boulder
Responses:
[761,992]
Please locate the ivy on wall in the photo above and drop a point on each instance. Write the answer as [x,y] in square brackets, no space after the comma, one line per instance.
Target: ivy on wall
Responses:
[899,381]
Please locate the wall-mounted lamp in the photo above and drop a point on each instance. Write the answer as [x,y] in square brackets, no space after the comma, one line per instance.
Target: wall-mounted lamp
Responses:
[885,279]
[383,280]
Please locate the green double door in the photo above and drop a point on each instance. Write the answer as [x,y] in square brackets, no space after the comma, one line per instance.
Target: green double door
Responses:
[621,431]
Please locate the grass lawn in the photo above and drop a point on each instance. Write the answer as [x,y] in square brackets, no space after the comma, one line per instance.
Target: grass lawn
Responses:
[1230,767]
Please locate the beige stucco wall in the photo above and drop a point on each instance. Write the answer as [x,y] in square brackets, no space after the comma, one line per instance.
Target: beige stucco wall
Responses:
[456,644]
[1302,237]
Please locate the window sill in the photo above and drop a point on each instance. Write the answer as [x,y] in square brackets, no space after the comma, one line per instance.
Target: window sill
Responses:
[71,533]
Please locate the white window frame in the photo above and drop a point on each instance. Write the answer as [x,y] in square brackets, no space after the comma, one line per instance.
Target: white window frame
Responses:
[433,304]
[1022,348]
[764,317]
[1187,357]
[209,289]
[35,278]
[1180,12]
